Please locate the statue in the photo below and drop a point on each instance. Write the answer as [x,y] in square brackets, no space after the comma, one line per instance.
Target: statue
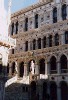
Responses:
[32,67]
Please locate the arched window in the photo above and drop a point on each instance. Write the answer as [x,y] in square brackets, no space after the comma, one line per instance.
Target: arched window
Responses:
[50,41]
[12,29]
[64,90]
[55,15]
[45,94]
[36,21]
[39,43]
[64,12]
[26,46]
[13,68]
[33,90]
[16,27]
[12,51]
[8,68]
[53,91]
[34,44]
[21,69]
[42,66]
[56,39]
[53,66]
[63,63]
[44,42]
[66,37]
[26,24]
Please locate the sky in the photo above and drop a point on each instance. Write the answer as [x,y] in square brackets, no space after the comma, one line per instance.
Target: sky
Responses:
[19,4]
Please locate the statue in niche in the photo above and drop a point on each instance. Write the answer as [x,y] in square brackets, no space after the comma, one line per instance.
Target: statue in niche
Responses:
[32,67]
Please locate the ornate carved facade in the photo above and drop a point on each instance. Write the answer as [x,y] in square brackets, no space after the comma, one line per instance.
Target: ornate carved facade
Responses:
[41,32]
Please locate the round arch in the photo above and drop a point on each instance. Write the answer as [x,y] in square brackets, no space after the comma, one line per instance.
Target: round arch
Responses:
[13,68]
[63,64]
[53,65]
[21,69]
[64,90]
[42,66]
[53,91]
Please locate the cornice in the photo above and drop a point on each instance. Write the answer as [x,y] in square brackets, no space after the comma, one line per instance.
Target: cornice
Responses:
[28,9]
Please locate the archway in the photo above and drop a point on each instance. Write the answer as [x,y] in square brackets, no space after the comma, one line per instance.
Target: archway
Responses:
[8,68]
[64,90]
[13,68]
[42,66]
[0,68]
[53,91]
[63,64]
[33,90]
[53,65]
[21,69]
[45,94]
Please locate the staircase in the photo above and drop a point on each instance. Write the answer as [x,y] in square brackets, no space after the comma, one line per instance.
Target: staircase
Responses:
[14,88]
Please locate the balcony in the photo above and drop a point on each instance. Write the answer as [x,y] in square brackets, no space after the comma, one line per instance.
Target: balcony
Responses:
[7,41]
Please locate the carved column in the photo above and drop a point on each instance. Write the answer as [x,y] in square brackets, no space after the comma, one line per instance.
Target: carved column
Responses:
[46,67]
[58,92]
[36,68]
[41,42]
[36,43]
[53,40]
[29,45]
[18,70]
[10,69]
[25,69]
[47,41]
[58,67]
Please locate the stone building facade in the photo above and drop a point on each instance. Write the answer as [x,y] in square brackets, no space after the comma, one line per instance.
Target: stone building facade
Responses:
[41,33]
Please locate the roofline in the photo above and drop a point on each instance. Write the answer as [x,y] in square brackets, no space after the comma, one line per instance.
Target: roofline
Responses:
[28,9]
